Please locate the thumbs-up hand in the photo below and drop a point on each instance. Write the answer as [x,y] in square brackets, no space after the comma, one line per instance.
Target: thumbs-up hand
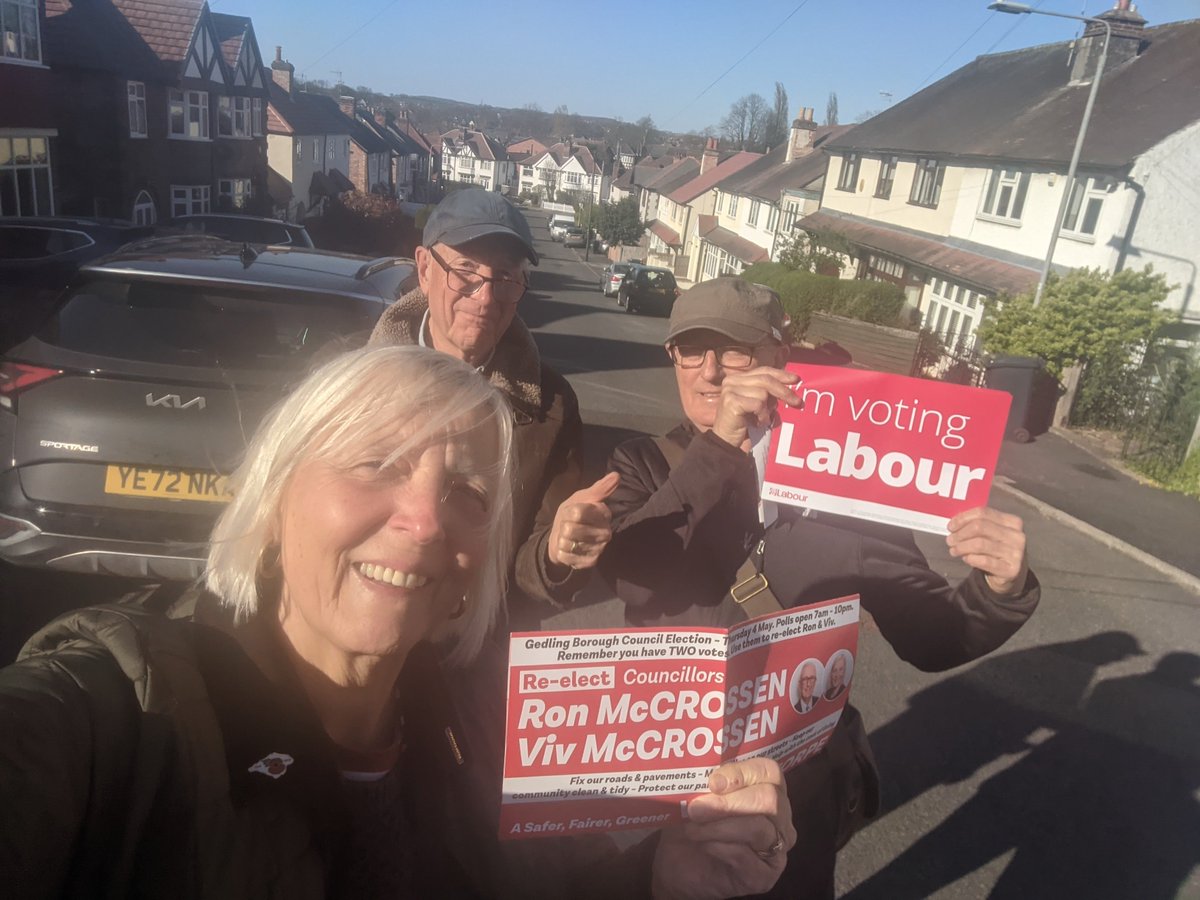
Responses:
[583,525]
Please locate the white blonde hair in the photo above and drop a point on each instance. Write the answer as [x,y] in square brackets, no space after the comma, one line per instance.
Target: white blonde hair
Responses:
[333,409]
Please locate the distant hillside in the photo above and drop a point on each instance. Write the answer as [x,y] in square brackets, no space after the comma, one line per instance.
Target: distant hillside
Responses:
[509,125]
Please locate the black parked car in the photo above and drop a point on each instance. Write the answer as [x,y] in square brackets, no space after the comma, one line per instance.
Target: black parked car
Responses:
[121,417]
[648,288]
[39,256]
[247,229]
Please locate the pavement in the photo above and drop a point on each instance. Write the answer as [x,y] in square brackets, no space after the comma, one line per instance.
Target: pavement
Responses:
[1077,480]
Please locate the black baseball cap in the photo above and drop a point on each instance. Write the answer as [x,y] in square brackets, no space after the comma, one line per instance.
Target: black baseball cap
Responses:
[473,213]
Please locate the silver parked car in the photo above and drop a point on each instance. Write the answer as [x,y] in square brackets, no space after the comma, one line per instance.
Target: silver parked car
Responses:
[612,276]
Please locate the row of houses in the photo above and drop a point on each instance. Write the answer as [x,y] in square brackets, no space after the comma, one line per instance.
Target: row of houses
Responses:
[149,109]
[953,194]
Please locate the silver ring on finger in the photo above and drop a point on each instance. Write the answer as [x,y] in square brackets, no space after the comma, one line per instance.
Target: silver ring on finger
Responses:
[772,851]
[575,545]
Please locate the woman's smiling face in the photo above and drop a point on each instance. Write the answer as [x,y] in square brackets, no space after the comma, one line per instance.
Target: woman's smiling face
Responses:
[378,549]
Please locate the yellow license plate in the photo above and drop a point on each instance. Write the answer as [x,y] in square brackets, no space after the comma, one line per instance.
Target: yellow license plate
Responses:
[167,484]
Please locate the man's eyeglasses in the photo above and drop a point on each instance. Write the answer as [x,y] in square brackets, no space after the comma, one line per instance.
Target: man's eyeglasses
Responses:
[468,282]
[733,356]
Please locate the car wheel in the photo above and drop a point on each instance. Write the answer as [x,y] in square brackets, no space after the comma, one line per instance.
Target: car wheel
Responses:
[621,299]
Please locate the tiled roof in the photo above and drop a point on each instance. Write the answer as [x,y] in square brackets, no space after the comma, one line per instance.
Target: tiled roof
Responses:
[733,244]
[405,126]
[527,147]
[963,261]
[673,176]
[768,177]
[118,35]
[303,113]
[359,133]
[231,30]
[165,25]
[714,176]
[666,234]
[484,147]
[1018,106]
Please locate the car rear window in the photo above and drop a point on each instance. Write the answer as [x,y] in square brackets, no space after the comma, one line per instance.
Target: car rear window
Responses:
[203,326]
[246,232]
[25,242]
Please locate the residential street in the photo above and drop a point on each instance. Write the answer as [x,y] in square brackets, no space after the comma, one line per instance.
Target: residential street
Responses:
[1067,764]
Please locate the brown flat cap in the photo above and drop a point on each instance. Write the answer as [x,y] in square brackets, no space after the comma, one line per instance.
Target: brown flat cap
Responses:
[747,313]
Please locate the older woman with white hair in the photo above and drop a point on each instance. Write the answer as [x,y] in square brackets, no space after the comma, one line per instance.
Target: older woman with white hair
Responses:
[315,722]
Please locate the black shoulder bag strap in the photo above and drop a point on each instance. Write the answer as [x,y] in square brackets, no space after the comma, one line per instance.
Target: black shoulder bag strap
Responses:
[750,589]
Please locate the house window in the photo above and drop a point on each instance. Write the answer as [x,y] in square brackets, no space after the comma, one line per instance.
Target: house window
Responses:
[733,203]
[256,112]
[486,165]
[574,178]
[236,190]
[143,209]
[1005,194]
[299,148]
[233,117]
[188,115]
[773,218]
[887,175]
[752,219]
[19,35]
[720,200]
[332,149]
[25,177]
[316,151]
[848,177]
[1085,203]
[927,183]
[137,108]
[190,199]
[345,146]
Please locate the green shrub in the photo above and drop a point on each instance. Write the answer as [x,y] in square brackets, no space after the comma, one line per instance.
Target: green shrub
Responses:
[805,293]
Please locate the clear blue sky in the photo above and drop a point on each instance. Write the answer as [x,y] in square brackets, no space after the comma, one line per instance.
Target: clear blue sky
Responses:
[626,59]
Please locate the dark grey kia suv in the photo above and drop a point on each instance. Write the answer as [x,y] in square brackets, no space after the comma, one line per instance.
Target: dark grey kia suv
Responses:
[123,414]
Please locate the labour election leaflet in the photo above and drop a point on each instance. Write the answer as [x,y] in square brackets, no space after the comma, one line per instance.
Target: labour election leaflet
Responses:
[905,451]
[617,729]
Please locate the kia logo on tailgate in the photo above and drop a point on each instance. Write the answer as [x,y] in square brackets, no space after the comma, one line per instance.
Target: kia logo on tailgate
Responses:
[174,401]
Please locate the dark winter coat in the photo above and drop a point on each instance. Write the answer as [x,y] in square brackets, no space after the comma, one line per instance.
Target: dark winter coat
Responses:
[128,744]
[680,536]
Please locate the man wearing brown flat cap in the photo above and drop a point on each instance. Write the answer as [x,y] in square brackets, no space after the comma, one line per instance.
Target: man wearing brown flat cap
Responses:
[689,528]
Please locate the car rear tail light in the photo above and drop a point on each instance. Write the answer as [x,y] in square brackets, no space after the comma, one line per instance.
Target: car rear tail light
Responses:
[17,377]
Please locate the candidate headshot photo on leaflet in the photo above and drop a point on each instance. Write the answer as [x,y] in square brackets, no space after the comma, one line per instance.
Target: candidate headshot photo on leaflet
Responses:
[807,685]
[840,668]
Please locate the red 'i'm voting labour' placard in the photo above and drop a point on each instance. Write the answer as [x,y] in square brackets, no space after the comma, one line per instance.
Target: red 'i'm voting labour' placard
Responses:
[892,449]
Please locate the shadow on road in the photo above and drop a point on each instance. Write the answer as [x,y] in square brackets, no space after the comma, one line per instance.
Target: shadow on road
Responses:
[599,354]
[1101,804]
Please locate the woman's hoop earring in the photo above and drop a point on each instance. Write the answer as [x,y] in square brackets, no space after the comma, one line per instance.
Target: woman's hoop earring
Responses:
[462,608]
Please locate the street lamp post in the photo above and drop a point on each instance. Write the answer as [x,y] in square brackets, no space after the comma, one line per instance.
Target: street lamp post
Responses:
[1025,9]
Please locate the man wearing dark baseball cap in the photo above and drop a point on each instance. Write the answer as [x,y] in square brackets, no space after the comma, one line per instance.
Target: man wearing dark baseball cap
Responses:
[473,268]
[693,544]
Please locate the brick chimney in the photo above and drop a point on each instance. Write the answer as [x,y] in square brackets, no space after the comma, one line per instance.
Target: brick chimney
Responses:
[346,105]
[383,117]
[1128,36]
[800,137]
[282,72]
[709,157]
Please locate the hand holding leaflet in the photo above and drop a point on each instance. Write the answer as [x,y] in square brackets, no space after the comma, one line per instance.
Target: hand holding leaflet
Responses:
[621,729]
